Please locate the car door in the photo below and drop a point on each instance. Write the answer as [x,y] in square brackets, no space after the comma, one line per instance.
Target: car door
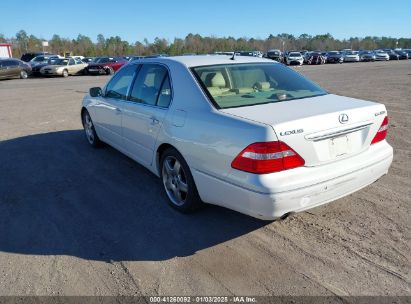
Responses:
[7,69]
[108,108]
[145,111]
[71,66]
[78,67]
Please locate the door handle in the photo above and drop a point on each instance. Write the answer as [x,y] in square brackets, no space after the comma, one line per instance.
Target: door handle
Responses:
[154,121]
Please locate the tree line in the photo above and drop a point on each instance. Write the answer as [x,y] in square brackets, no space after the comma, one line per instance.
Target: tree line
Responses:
[23,42]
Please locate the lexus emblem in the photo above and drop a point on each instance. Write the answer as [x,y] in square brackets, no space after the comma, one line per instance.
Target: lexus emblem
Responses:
[343,118]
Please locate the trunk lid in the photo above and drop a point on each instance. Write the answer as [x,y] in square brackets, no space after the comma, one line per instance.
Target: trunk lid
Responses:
[320,129]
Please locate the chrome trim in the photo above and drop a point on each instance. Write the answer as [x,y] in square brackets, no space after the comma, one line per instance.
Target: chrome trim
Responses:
[315,137]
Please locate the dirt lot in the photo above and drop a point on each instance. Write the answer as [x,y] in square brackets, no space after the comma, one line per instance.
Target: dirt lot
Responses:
[78,221]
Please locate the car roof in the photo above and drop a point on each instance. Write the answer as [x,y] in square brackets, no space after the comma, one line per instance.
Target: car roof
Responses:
[204,60]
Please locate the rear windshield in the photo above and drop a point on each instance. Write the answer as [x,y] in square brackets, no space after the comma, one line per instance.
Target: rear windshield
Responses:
[239,85]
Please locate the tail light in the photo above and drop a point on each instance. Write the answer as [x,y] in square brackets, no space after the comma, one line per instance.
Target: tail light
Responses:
[267,157]
[382,131]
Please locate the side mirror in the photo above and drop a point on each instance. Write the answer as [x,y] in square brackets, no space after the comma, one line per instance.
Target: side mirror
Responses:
[96,92]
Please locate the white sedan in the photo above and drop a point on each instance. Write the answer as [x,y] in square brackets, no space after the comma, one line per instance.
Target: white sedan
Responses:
[294,58]
[241,132]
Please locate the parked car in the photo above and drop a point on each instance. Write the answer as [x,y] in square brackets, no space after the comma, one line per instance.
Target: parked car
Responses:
[335,57]
[299,146]
[42,59]
[26,57]
[294,58]
[351,56]
[402,55]
[12,68]
[408,51]
[64,67]
[35,70]
[392,54]
[316,58]
[106,65]
[275,55]
[381,56]
[367,56]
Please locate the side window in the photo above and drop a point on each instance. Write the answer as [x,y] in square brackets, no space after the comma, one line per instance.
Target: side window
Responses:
[71,61]
[78,61]
[164,97]
[152,86]
[118,85]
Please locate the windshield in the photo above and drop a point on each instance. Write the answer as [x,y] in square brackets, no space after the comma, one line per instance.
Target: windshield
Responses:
[295,55]
[104,60]
[334,53]
[38,59]
[239,85]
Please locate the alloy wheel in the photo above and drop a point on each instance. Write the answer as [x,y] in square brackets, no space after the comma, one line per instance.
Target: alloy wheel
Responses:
[174,180]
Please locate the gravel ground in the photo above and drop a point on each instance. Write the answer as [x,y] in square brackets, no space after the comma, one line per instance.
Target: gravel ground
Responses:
[78,221]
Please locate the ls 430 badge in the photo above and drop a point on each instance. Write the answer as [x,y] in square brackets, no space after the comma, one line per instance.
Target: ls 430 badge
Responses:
[291,132]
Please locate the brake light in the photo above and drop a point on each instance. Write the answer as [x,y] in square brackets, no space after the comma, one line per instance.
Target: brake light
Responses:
[382,131]
[267,157]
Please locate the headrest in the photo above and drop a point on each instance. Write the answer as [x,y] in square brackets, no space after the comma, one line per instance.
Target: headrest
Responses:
[215,80]
[262,85]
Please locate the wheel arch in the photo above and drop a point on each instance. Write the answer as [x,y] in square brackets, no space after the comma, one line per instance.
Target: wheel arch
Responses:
[160,150]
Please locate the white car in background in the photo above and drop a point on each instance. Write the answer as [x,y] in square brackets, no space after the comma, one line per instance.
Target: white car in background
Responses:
[381,56]
[245,133]
[294,58]
[351,56]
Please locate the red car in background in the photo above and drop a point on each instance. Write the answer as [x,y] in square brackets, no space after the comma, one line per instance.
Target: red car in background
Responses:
[105,65]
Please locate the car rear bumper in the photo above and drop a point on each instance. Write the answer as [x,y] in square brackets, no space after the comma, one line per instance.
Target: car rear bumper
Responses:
[310,186]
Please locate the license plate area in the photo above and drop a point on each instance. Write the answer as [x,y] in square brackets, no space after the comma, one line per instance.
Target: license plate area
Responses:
[339,146]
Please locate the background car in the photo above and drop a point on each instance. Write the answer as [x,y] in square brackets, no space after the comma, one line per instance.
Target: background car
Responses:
[64,67]
[351,56]
[294,58]
[26,57]
[381,55]
[43,59]
[367,56]
[334,57]
[35,70]
[316,58]
[105,65]
[392,54]
[402,55]
[12,68]
[274,55]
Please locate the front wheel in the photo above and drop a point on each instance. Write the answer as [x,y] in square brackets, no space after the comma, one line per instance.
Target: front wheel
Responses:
[65,73]
[178,182]
[89,130]
[23,74]
[109,71]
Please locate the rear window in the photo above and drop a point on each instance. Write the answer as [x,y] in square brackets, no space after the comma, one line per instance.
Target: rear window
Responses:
[239,85]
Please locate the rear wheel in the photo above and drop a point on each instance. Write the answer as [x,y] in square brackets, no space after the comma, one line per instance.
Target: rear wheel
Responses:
[178,182]
[23,74]
[65,73]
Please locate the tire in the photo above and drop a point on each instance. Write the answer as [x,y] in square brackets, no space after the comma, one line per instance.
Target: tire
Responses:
[178,182]
[89,130]
[23,74]
[85,72]
[109,71]
[65,73]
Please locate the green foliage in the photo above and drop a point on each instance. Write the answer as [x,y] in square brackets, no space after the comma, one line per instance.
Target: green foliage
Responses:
[195,43]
